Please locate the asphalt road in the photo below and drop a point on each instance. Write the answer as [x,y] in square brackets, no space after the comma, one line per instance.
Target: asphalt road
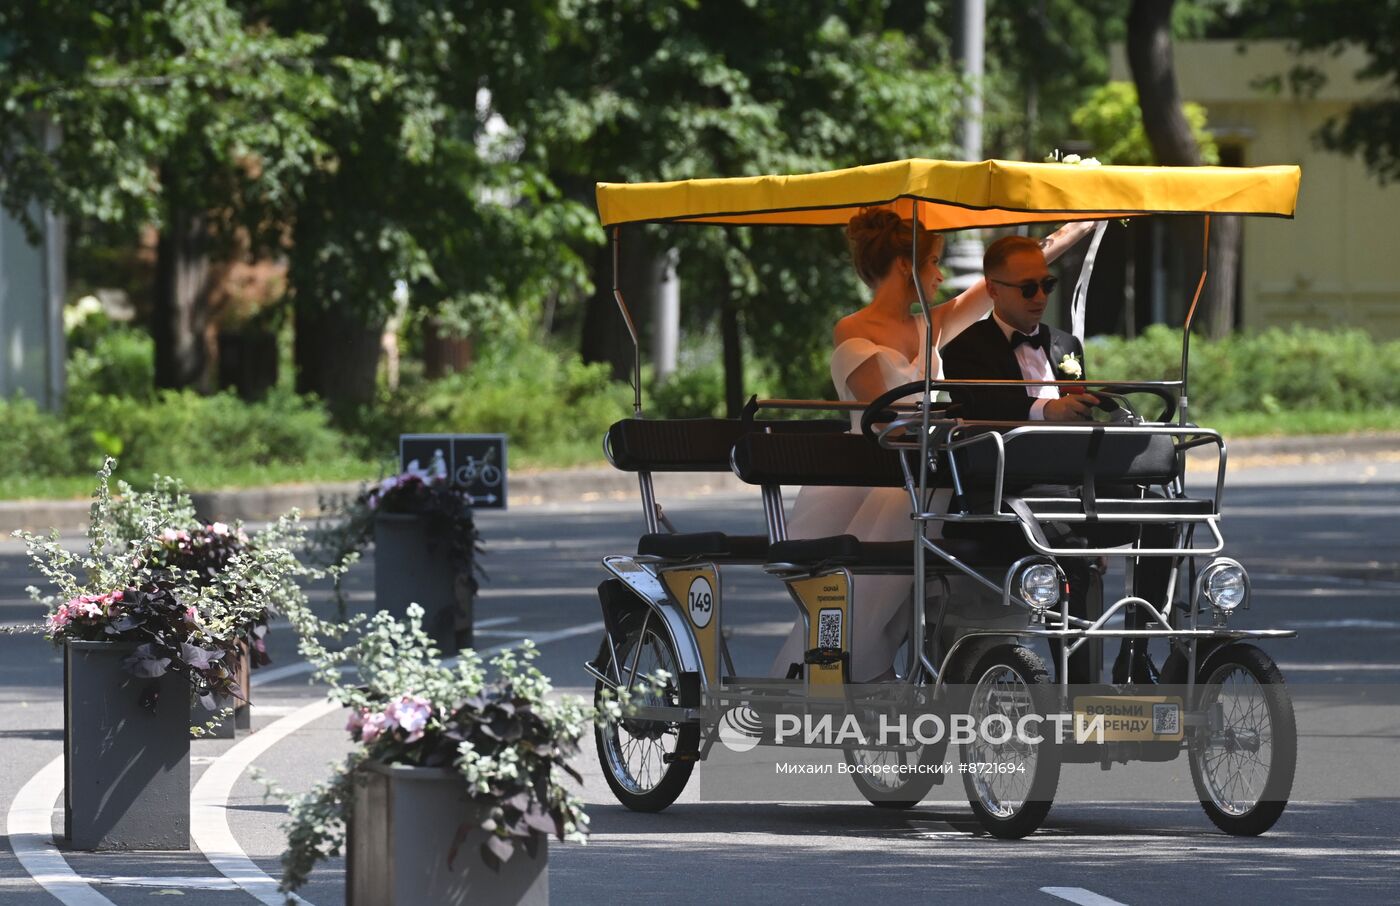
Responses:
[1322,542]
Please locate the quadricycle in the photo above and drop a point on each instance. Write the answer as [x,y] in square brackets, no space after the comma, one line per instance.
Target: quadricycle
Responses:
[980,612]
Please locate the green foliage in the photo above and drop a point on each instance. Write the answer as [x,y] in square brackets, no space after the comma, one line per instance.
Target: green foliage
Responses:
[552,406]
[1368,128]
[1042,60]
[1271,372]
[181,427]
[1110,120]
[116,362]
[126,587]
[508,736]
[36,442]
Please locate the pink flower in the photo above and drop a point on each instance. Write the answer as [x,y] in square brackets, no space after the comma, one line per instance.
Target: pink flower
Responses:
[373,725]
[58,619]
[191,615]
[355,722]
[411,713]
[219,528]
[174,536]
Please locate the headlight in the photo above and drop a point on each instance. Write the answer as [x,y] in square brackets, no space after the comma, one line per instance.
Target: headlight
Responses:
[1226,585]
[1040,586]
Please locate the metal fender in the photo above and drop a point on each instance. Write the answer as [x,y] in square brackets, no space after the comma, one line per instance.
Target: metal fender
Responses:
[646,586]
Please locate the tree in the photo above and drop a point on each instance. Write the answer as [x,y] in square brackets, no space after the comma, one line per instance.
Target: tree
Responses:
[1043,57]
[1174,144]
[170,113]
[1369,129]
[421,192]
[655,90]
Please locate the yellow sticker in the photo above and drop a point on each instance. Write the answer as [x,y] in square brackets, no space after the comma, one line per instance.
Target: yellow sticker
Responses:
[1122,718]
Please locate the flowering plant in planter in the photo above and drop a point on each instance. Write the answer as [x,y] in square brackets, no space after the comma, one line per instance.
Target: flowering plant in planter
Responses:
[507,736]
[201,554]
[348,527]
[144,580]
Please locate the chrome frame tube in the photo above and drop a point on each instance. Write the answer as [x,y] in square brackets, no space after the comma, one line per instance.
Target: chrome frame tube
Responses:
[916,634]
[649,508]
[1190,317]
[774,517]
[631,328]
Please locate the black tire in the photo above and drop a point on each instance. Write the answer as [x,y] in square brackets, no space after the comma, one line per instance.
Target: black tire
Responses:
[1262,754]
[999,674]
[902,795]
[649,784]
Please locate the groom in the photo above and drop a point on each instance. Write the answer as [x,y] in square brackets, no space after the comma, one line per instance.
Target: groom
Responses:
[1014,345]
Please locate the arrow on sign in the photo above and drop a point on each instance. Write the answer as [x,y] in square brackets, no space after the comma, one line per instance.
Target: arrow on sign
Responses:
[487,498]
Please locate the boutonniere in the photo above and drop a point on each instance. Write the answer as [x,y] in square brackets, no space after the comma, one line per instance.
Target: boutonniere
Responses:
[1069,367]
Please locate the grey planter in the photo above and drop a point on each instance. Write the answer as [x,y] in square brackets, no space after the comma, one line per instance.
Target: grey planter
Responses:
[241,719]
[414,565]
[126,766]
[399,853]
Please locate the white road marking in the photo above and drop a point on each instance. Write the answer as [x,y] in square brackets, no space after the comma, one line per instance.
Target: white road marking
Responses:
[209,799]
[186,882]
[1081,896]
[30,828]
[562,591]
[30,820]
[209,804]
[1343,624]
[1338,668]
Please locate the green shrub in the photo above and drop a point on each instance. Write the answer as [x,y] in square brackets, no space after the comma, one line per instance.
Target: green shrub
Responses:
[694,393]
[35,442]
[551,406]
[118,362]
[1271,371]
[178,430]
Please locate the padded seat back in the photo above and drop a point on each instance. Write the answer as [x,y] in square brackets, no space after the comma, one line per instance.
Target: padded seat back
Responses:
[840,460]
[1061,459]
[692,444]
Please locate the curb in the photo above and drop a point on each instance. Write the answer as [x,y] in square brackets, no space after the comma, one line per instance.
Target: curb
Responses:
[593,484]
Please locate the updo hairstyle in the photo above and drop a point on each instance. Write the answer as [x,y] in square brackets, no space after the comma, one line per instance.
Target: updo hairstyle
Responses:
[877,236]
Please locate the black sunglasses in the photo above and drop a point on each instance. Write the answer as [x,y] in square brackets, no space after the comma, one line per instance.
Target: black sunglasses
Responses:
[1030,286]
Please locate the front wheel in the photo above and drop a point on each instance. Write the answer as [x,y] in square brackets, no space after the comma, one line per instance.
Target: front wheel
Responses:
[1243,759]
[1010,784]
[639,756]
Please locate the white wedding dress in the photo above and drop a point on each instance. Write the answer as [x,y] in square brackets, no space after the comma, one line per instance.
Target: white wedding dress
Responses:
[881,615]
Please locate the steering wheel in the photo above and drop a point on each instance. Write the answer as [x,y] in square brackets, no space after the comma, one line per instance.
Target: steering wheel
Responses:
[1114,401]
[879,411]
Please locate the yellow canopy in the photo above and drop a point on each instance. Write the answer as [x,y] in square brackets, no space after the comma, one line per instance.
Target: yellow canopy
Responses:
[956,195]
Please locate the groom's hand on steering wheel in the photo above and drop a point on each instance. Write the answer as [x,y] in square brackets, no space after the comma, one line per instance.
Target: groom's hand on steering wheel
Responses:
[1073,407]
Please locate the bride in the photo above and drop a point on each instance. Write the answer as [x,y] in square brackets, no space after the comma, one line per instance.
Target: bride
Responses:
[876,348]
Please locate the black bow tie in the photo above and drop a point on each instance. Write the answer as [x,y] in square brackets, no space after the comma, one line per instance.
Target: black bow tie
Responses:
[1036,339]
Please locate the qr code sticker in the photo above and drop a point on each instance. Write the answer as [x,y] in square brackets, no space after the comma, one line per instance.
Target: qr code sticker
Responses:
[1166,719]
[829,629]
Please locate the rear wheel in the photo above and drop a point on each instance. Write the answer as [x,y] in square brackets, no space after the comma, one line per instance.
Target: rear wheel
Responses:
[1010,785]
[1242,761]
[638,755]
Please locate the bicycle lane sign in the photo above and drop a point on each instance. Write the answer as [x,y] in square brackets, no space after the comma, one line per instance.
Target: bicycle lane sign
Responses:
[475,462]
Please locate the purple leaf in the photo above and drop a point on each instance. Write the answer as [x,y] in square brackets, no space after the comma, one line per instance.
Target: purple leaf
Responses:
[198,658]
[500,847]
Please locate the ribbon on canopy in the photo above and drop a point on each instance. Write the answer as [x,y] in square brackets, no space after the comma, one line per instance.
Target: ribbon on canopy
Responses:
[1081,288]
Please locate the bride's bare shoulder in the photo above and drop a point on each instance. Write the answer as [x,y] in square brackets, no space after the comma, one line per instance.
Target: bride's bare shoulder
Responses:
[851,327]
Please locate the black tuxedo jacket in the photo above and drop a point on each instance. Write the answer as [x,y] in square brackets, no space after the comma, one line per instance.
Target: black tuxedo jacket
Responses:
[982,352]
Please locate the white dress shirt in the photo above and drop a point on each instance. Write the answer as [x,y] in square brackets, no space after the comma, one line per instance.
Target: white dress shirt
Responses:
[1035,366]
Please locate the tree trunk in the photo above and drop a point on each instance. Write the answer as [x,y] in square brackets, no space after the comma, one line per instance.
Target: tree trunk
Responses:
[337,356]
[732,340]
[444,353]
[180,306]
[640,272]
[1154,73]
